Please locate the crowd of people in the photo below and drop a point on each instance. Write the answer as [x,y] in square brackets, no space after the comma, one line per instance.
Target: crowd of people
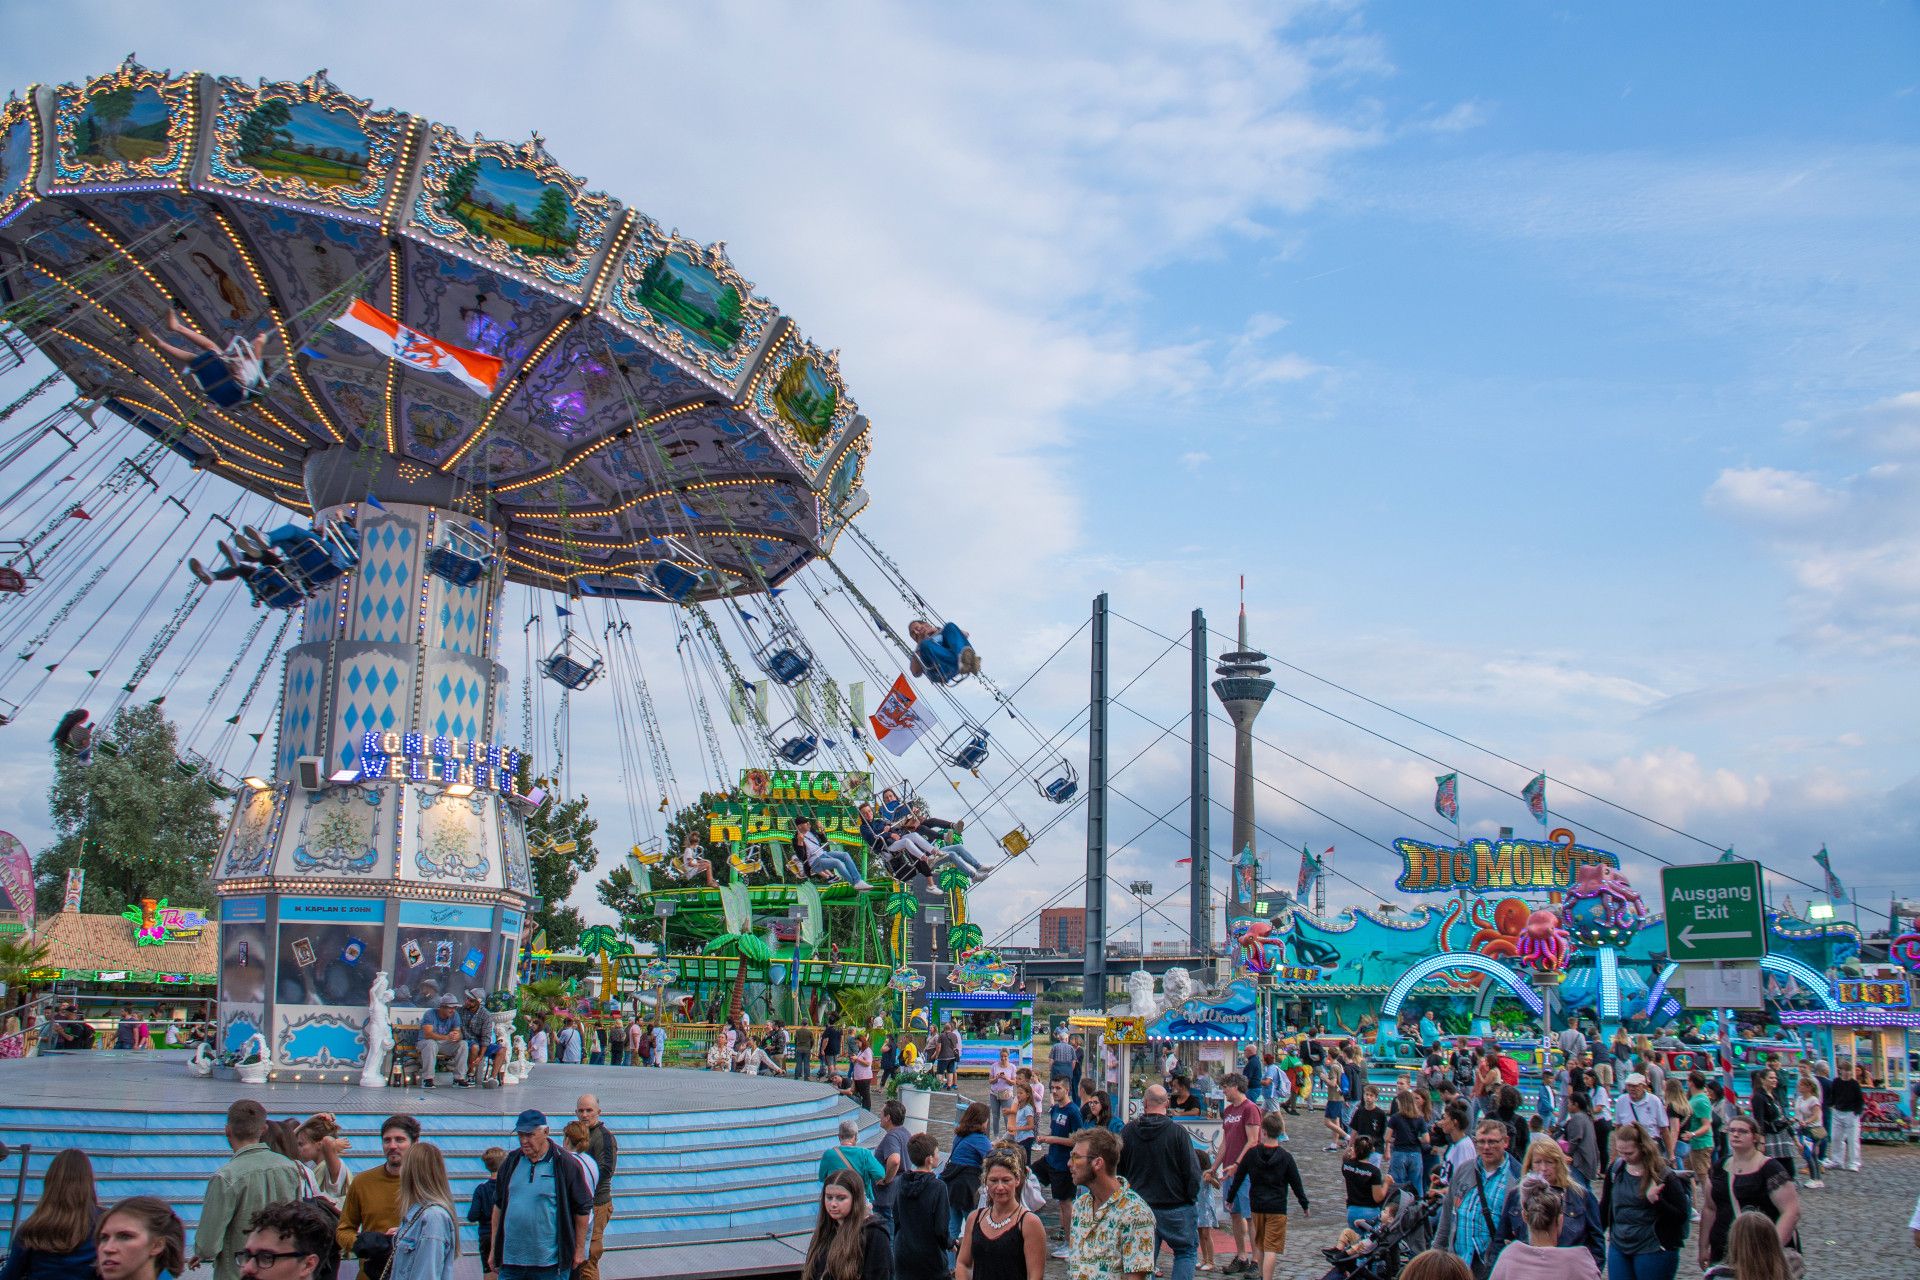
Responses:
[284,1206]
[1453,1178]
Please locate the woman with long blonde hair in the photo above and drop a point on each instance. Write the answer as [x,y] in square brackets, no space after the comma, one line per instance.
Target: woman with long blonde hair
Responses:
[426,1242]
[1579,1213]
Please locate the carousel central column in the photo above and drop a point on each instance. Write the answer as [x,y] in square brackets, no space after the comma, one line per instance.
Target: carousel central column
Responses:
[386,858]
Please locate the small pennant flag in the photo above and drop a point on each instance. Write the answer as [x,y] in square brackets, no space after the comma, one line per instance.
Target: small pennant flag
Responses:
[1446,796]
[898,722]
[471,369]
[562,611]
[1183,862]
[1836,891]
[375,503]
[79,513]
[1309,871]
[1535,794]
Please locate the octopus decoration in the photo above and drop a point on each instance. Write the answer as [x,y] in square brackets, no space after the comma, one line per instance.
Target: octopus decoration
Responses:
[1601,909]
[1497,936]
[1905,949]
[1260,948]
[980,969]
[1543,945]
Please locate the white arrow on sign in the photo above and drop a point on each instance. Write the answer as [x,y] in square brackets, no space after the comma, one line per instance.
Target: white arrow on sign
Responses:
[1690,935]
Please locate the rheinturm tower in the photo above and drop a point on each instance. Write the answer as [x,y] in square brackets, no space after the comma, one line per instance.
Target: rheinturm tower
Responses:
[1241,684]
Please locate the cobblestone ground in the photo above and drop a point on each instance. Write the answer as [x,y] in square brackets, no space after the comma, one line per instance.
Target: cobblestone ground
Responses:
[1853,1229]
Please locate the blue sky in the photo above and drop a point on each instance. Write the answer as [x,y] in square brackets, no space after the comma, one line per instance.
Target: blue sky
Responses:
[1550,374]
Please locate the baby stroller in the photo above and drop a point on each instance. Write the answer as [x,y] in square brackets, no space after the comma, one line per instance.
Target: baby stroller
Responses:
[1384,1247]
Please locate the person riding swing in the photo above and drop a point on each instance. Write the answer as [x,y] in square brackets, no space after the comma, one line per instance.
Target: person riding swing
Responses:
[230,375]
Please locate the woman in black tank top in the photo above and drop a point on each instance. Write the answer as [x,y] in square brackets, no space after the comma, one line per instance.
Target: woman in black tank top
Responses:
[1002,1241]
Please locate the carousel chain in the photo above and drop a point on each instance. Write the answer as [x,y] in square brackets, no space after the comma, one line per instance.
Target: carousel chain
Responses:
[38,389]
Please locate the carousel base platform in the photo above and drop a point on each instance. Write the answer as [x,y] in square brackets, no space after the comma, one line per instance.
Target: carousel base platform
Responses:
[717,1173]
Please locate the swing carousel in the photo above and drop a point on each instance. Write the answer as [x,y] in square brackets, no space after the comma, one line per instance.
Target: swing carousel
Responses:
[426,366]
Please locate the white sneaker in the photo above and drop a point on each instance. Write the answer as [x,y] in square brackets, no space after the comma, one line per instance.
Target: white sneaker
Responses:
[1816,1184]
[1059,1253]
[1853,1168]
[1829,1164]
[861,884]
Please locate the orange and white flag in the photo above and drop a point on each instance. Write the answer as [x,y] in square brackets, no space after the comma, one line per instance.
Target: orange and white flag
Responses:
[899,721]
[477,372]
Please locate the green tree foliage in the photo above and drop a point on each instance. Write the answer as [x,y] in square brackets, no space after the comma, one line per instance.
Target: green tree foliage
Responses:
[141,825]
[691,821]
[555,873]
[460,184]
[622,892]
[551,216]
[265,128]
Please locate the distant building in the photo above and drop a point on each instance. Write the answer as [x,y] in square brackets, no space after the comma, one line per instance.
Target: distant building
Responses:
[1063,929]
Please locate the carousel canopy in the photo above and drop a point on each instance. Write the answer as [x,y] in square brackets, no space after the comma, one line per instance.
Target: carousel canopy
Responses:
[450,320]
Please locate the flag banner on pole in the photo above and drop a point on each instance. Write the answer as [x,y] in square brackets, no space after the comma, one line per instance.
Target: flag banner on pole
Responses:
[899,721]
[857,700]
[1535,794]
[1446,796]
[1836,891]
[737,703]
[1309,872]
[1183,862]
[477,372]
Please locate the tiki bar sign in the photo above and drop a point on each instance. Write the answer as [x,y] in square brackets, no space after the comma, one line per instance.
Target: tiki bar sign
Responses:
[1489,866]
[771,800]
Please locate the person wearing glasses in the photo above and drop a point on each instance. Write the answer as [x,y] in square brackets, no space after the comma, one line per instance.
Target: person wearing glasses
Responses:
[289,1241]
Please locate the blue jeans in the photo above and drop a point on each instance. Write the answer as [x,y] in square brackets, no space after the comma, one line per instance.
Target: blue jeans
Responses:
[509,1271]
[958,852]
[1405,1168]
[1362,1213]
[940,653]
[1662,1264]
[1179,1229]
[837,862]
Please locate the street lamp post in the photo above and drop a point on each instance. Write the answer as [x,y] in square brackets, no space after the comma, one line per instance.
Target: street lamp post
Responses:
[1141,891]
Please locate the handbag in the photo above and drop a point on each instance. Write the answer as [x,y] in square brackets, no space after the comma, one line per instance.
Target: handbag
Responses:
[1033,1197]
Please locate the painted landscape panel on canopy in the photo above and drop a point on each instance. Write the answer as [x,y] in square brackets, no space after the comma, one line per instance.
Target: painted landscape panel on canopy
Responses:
[693,299]
[320,145]
[16,158]
[512,205]
[123,125]
[806,400]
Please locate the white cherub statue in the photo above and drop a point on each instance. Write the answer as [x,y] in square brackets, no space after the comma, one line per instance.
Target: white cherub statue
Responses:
[201,1063]
[519,1065]
[373,1071]
[1140,1002]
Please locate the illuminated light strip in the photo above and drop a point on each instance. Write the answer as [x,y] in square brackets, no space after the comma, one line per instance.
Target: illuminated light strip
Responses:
[273,419]
[124,252]
[393,365]
[33,152]
[1806,975]
[1607,961]
[1471,961]
[616,247]
[597,446]
[401,175]
[192,134]
[1849,1018]
[1669,1010]
[279,323]
[275,481]
[605,513]
[507,392]
[1659,987]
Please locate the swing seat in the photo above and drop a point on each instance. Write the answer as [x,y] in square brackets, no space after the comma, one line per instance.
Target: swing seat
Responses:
[318,556]
[217,381]
[674,582]
[461,558]
[799,749]
[784,656]
[787,667]
[966,747]
[1063,786]
[1017,841]
[12,581]
[573,664]
[275,588]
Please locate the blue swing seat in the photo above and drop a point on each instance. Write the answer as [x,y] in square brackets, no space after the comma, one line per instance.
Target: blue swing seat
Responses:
[276,588]
[674,582]
[317,557]
[217,381]
[966,747]
[1059,790]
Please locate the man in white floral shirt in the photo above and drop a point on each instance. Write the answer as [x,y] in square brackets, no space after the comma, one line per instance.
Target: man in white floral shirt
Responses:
[1112,1226]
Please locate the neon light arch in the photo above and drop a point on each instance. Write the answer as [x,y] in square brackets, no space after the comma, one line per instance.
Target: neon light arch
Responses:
[1785,966]
[1469,960]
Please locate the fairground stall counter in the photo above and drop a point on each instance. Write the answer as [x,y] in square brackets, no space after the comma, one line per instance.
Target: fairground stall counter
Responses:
[989,1021]
[1873,1026]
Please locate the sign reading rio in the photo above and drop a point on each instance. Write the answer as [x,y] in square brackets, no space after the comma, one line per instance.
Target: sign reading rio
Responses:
[1484,866]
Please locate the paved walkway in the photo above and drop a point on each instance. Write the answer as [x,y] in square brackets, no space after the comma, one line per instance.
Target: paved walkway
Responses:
[1853,1229]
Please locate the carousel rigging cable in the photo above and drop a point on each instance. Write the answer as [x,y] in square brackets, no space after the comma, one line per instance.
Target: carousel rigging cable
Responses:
[697,706]
[192,736]
[223,744]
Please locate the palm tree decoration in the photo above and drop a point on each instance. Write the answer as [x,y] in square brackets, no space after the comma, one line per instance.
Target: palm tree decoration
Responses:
[954,882]
[739,940]
[902,906]
[19,957]
[962,938]
[599,939]
[813,926]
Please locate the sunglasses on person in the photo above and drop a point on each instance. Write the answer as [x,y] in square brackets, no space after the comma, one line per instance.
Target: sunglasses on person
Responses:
[264,1258]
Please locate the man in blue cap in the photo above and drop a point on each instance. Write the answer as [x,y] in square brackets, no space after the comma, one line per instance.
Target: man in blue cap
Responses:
[540,1225]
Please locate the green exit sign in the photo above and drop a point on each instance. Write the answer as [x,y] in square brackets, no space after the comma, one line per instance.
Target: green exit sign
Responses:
[1715,911]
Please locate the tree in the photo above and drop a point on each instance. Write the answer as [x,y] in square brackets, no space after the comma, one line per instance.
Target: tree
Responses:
[622,892]
[726,310]
[111,109]
[20,956]
[551,216]
[460,184]
[556,867]
[140,824]
[264,127]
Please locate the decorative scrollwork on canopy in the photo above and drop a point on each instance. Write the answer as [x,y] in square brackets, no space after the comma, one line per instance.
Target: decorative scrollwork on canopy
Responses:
[130,125]
[306,141]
